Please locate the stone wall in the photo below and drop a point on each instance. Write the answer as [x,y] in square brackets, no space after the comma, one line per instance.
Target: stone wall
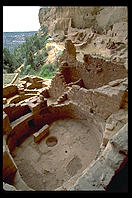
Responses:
[9,91]
[6,124]
[15,111]
[20,128]
[102,101]
[97,72]
[58,86]
[99,174]
[9,166]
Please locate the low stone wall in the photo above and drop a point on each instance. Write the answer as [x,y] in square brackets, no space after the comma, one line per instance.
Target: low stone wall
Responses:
[15,111]
[9,91]
[20,128]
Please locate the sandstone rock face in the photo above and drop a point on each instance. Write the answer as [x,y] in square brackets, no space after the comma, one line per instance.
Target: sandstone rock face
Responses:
[61,19]
[111,15]
[95,30]
[62,16]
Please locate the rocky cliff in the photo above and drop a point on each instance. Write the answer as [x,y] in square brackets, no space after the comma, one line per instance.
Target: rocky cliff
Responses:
[94,30]
[66,19]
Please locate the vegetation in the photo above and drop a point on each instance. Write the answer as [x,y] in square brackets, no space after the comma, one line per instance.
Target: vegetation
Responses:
[9,61]
[47,71]
[7,78]
[33,54]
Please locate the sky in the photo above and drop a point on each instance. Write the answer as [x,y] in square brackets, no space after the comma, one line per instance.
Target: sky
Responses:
[20,18]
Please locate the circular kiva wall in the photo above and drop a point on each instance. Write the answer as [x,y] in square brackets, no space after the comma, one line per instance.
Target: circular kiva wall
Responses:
[61,151]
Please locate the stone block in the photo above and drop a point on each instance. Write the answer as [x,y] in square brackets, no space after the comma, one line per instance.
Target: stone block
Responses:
[41,133]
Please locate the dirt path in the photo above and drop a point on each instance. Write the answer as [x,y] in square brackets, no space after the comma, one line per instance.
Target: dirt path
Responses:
[47,165]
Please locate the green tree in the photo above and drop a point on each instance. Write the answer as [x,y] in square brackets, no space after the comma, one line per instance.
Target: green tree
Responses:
[9,61]
[32,52]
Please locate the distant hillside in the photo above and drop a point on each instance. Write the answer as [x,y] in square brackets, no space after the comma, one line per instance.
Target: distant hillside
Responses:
[12,39]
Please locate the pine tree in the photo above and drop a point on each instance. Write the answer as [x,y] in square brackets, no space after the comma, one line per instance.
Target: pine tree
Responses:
[9,61]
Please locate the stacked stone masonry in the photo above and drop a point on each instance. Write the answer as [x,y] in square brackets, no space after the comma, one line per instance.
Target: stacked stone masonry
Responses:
[93,92]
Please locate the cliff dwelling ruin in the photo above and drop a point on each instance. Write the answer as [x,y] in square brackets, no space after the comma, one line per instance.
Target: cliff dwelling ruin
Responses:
[71,134]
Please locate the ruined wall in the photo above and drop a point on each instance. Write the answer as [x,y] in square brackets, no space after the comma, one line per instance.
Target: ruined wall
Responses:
[58,86]
[99,174]
[76,111]
[9,166]
[97,72]
[67,63]
[16,111]
[9,91]
[102,101]
[20,128]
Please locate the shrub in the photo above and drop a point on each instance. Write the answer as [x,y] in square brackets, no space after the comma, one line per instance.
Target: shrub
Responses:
[48,70]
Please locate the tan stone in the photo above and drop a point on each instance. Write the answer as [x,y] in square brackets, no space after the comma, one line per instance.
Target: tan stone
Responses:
[41,133]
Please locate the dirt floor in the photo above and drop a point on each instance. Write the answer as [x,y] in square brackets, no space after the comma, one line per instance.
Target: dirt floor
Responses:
[66,151]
